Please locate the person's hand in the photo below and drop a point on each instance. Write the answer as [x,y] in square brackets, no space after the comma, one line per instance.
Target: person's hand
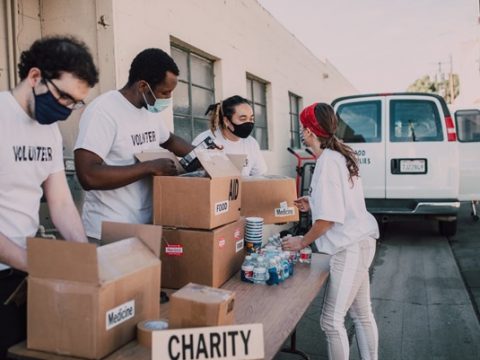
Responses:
[293,243]
[163,167]
[302,204]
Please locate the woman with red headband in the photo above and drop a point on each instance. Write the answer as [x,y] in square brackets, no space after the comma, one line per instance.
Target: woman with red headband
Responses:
[343,228]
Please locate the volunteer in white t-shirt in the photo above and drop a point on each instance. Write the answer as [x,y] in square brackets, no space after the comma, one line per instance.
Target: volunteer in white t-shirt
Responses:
[116,126]
[231,123]
[341,227]
[56,75]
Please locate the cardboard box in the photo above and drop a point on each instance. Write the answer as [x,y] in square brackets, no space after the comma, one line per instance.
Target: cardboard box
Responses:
[160,154]
[85,301]
[197,202]
[202,256]
[197,306]
[270,197]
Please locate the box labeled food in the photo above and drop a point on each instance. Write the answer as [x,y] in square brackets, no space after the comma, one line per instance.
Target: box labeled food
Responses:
[198,202]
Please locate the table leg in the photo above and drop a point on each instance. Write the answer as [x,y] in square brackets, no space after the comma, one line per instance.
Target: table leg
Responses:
[293,347]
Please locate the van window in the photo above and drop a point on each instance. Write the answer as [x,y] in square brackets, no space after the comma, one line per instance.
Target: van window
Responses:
[414,120]
[468,125]
[360,122]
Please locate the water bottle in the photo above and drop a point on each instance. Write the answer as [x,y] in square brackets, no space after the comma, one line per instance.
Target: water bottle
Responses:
[272,273]
[246,274]
[190,162]
[286,267]
[260,274]
[306,255]
[278,262]
[291,263]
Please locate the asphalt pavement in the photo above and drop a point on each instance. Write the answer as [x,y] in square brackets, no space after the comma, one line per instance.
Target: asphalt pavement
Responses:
[425,295]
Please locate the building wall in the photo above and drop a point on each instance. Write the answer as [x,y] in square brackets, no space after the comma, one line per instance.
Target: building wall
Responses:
[240,35]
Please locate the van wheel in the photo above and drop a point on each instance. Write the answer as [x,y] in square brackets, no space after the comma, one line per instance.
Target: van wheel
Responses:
[447,228]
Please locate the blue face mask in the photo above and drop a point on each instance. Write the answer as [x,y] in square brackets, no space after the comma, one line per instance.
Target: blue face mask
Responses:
[159,105]
[48,110]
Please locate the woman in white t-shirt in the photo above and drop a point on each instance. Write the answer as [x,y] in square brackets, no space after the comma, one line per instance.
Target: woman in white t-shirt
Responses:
[231,123]
[341,227]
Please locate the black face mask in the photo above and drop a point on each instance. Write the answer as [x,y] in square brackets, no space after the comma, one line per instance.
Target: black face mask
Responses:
[242,130]
[48,110]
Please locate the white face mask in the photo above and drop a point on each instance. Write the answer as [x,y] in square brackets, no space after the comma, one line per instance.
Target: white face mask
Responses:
[159,105]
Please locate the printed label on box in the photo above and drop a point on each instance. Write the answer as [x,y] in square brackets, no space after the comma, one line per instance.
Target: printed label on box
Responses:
[221,207]
[174,250]
[239,245]
[120,314]
[237,234]
[281,212]
[221,243]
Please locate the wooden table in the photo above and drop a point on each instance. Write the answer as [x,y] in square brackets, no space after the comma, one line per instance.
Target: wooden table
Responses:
[278,308]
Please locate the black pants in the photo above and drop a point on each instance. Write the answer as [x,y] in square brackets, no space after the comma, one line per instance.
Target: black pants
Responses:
[13,318]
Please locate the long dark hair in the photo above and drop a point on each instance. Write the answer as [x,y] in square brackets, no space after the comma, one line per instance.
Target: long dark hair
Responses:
[224,108]
[328,120]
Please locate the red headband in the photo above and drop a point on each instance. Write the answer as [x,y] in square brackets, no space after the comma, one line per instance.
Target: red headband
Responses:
[309,121]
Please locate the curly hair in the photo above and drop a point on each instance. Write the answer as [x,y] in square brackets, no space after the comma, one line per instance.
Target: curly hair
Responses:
[151,65]
[57,54]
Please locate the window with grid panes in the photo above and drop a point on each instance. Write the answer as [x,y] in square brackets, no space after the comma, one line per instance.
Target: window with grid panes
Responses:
[193,94]
[257,94]
[294,121]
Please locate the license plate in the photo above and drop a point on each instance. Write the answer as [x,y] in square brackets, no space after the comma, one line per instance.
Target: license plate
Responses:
[413,166]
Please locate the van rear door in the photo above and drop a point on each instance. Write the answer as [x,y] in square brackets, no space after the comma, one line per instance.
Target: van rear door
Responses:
[360,127]
[421,149]
[468,132]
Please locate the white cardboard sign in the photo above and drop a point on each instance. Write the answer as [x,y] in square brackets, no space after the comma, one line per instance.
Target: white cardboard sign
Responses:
[214,342]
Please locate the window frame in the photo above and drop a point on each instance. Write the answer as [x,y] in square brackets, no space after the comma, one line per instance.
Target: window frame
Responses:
[251,79]
[190,116]
[295,137]
[459,138]
[438,121]
[378,105]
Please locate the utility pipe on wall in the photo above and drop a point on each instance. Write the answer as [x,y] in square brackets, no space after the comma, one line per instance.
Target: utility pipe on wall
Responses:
[11,19]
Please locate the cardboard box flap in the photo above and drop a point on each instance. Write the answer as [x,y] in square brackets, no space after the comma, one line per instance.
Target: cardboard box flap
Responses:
[216,163]
[124,257]
[150,235]
[160,154]
[62,260]
[203,294]
[239,160]
[265,177]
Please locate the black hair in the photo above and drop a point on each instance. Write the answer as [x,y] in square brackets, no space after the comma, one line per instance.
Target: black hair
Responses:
[224,108]
[57,54]
[151,65]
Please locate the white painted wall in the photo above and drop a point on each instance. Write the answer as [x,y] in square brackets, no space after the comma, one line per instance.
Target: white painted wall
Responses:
[245,38]
[242,35]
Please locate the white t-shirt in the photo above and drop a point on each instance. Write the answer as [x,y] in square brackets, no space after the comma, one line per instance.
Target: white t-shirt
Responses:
[333,198]
[115,130]
[254,163]
[29,153]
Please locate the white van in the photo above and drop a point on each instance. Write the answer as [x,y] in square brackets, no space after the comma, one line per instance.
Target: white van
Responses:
[408,154]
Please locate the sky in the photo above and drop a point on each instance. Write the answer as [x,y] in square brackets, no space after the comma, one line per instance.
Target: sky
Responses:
[381,45]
